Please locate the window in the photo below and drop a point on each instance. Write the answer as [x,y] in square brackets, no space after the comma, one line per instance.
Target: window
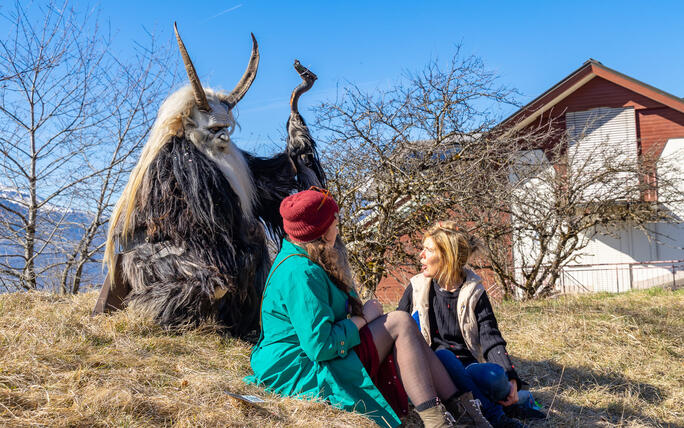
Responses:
[602,152]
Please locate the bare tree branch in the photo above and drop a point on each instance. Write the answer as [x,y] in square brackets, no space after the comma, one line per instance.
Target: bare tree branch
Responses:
[428,149]
[72,118]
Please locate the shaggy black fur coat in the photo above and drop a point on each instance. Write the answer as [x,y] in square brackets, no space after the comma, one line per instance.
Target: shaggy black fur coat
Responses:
[192,241]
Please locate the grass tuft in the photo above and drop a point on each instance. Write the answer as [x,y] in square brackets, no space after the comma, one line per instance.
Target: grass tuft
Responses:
[602,359]
[60,367]
[595,360]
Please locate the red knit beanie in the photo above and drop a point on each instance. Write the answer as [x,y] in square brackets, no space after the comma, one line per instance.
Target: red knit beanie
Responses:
[308,214]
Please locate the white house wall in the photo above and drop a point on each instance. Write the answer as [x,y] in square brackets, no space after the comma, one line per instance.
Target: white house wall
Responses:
[531,175]
[671,167]
[604,264]
[619,259]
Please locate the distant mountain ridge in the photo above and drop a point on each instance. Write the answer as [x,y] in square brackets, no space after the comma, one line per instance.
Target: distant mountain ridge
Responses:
[18,197]
[59,229]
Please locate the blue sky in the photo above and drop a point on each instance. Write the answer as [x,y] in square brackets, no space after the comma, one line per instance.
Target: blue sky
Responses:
[531,45]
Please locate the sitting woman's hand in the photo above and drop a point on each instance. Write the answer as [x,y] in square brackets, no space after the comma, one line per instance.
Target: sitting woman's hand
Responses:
[512,396]
[372,309]
[358,321]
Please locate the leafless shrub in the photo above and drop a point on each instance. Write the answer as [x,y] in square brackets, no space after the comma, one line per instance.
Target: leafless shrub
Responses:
[387,151]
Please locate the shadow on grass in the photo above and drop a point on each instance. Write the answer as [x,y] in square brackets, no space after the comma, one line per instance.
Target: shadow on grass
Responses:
[550,383]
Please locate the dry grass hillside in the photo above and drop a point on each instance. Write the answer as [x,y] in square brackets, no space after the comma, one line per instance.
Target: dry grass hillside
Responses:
[604,360]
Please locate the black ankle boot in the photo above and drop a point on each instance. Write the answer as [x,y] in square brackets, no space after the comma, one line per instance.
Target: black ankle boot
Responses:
[466,409]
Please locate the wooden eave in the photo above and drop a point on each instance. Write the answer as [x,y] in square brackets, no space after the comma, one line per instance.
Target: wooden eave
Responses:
[578,78]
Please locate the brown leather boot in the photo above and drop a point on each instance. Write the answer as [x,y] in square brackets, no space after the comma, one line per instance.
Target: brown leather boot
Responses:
[436,417]
[466,410]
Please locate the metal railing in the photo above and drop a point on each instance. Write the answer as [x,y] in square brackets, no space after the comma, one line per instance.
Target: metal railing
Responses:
[619,277]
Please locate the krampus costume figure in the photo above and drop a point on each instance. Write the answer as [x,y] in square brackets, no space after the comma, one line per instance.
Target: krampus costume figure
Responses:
[187,238]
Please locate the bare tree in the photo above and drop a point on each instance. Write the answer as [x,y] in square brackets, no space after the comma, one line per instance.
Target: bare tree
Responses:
[385,155]
[562,195]
[71,116]
[429,149]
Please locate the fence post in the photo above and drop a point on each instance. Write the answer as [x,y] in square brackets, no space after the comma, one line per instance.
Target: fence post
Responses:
[617,279]
[631,277]
[563,279]
[674,280]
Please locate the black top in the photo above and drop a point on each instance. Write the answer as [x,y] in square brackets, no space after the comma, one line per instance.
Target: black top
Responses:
[446,333]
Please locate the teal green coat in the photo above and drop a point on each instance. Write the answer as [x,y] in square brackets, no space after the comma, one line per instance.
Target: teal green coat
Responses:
[306,342]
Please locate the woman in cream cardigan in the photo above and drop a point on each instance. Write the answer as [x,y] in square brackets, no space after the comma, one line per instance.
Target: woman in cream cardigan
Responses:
[456,319]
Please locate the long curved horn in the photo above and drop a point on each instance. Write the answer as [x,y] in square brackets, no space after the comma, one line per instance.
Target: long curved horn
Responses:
[247,78]
[198,91]
[308,78]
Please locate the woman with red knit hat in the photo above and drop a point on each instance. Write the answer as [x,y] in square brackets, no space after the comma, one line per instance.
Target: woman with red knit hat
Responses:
[319,341]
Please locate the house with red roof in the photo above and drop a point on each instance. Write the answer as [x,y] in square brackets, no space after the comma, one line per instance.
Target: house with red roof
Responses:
[597,106]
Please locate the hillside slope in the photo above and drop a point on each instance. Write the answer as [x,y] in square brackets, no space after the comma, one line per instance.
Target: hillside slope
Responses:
[594,361]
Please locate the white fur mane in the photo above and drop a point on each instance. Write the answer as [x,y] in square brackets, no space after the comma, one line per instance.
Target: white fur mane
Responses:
[234,167]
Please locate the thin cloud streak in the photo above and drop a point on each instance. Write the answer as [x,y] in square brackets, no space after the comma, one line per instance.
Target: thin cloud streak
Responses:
[230,9]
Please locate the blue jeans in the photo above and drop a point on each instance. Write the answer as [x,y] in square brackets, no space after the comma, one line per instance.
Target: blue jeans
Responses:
[488,382]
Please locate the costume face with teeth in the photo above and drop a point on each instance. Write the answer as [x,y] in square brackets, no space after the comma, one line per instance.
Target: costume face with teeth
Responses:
[210,132]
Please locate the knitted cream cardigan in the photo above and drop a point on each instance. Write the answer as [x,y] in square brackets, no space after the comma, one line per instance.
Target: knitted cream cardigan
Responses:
[470,293]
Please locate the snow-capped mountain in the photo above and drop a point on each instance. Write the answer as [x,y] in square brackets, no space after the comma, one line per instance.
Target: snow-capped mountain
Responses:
[59,229]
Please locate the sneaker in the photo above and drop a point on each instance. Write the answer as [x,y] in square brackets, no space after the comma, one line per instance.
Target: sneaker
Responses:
[506,422]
